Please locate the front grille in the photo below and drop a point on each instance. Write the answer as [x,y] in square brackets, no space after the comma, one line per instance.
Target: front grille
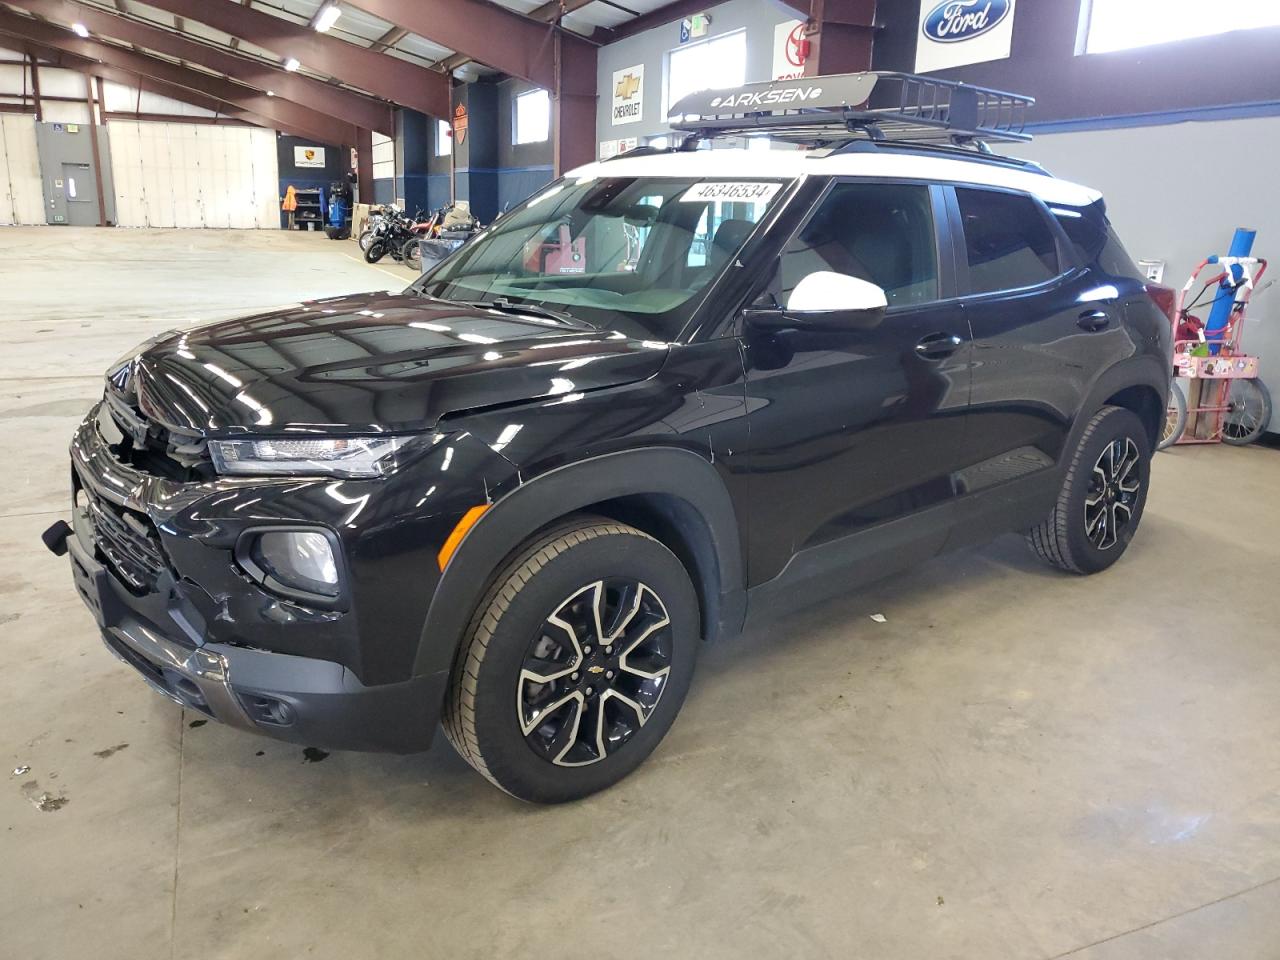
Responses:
[129,542]
[149,447]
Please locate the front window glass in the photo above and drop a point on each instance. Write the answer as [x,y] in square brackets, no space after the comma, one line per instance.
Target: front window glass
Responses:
[878,232]
[627,253]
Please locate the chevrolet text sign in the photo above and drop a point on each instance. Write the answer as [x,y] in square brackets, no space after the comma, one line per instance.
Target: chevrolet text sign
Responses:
[628,95]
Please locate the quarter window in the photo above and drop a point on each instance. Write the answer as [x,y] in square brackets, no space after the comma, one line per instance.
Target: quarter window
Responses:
[1007,239]
[877,232]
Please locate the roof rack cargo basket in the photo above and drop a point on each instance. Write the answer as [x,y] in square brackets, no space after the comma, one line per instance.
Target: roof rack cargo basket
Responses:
[878,105]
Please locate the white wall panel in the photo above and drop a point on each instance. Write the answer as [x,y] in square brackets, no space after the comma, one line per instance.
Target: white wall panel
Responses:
[61,83]
[194,175]
[55,111]
[266,177]
[21,199]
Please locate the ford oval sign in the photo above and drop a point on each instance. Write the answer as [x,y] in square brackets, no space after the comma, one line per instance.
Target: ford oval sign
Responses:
[954,20]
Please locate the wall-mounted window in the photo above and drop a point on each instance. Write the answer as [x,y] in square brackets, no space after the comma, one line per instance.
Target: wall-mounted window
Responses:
[384,157]
[1108,25]
[531,117]
[719,62]
[444,139]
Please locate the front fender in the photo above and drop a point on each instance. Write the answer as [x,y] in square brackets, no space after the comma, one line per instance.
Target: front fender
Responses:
[557,493]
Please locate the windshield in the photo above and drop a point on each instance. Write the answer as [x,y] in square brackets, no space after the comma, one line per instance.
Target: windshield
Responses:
[628,253]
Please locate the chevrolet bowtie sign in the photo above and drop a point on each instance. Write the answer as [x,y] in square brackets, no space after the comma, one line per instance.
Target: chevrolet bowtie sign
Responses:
[628,94]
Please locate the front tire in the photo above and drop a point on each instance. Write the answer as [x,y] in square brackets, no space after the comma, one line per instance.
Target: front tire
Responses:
[576,662]
[375,251]
[1102,497]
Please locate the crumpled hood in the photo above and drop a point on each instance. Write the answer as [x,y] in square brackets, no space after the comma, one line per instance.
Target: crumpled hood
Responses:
[372,363]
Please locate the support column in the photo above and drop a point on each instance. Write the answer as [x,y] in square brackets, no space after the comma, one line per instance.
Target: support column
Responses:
[841,36]
[364,166]
[573,105]
[35,87]
[475,148]
[96,150]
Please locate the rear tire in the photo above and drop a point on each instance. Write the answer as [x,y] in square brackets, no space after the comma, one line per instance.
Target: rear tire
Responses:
[1102,497]
[576,662]
[1175,417]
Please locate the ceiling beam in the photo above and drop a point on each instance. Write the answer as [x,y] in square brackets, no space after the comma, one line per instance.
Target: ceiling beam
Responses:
[273,111]
[343,104]
[69,61]
[547,13]
[486,32]
[668,13]
[424,90]
[389,39]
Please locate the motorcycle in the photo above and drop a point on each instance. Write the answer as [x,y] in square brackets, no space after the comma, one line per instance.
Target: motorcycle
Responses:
[452,224]
[376,215]
[389,236]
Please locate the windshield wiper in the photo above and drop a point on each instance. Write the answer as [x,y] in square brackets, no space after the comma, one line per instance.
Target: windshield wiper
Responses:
[529,309]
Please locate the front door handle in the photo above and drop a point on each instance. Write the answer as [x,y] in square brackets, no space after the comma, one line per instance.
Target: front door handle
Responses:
[1093,320]
[937,346]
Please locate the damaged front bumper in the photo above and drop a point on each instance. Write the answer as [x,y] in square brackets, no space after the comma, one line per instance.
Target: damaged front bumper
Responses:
[163,631]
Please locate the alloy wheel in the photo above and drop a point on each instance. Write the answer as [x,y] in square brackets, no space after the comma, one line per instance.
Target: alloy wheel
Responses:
[1113,493]
[595,672]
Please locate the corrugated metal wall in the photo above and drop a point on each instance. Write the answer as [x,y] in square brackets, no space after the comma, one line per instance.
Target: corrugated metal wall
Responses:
[21,200]
[189,175]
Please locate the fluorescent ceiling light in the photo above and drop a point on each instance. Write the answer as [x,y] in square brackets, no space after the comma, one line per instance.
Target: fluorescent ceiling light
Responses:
[326,17]
[80,30]
[292,64]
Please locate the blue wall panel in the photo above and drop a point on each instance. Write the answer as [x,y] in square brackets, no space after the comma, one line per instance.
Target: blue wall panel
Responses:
[518,183]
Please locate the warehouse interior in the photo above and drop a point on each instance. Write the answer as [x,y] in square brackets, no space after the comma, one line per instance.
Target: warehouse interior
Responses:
[977,757]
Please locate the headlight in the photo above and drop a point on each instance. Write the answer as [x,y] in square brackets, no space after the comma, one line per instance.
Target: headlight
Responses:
[338,457]
[297,560]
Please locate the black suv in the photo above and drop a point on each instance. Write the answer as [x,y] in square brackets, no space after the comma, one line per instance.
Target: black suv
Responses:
[670,390]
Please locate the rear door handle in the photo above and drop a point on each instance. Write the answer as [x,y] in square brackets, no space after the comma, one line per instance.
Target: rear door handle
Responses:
[1093,320]
[936,346]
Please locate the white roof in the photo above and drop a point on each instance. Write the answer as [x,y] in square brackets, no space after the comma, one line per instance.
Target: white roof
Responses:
[794,163]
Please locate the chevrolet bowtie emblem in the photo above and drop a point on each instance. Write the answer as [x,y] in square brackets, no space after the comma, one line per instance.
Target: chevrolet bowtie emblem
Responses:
[627,87]
[595,669]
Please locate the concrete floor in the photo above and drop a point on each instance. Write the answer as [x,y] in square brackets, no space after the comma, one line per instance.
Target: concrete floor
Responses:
[1016,764]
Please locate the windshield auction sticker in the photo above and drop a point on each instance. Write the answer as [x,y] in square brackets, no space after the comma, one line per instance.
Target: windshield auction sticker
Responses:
[732,191]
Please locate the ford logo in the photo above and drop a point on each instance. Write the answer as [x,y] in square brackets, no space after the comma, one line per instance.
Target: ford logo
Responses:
[954,20]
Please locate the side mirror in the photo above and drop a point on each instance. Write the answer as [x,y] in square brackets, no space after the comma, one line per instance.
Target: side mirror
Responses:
[826,301]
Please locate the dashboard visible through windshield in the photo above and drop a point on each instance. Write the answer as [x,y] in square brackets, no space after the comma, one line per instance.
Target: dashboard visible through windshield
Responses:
[628,253]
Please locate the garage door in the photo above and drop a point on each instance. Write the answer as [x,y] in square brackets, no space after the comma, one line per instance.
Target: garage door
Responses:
[194,175]
[21,200]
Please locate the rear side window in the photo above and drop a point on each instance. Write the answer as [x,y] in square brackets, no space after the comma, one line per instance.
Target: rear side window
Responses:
[881,232]
[1008,241]
[1095,241]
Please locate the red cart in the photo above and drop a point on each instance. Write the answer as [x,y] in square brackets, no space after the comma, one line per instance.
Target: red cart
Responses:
[1229,404]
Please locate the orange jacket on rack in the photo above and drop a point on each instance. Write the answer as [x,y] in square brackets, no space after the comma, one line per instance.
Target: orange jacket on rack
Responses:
[290,199]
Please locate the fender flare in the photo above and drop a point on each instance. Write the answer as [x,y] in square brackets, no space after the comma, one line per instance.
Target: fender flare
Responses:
[671,471]
[1141,371]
